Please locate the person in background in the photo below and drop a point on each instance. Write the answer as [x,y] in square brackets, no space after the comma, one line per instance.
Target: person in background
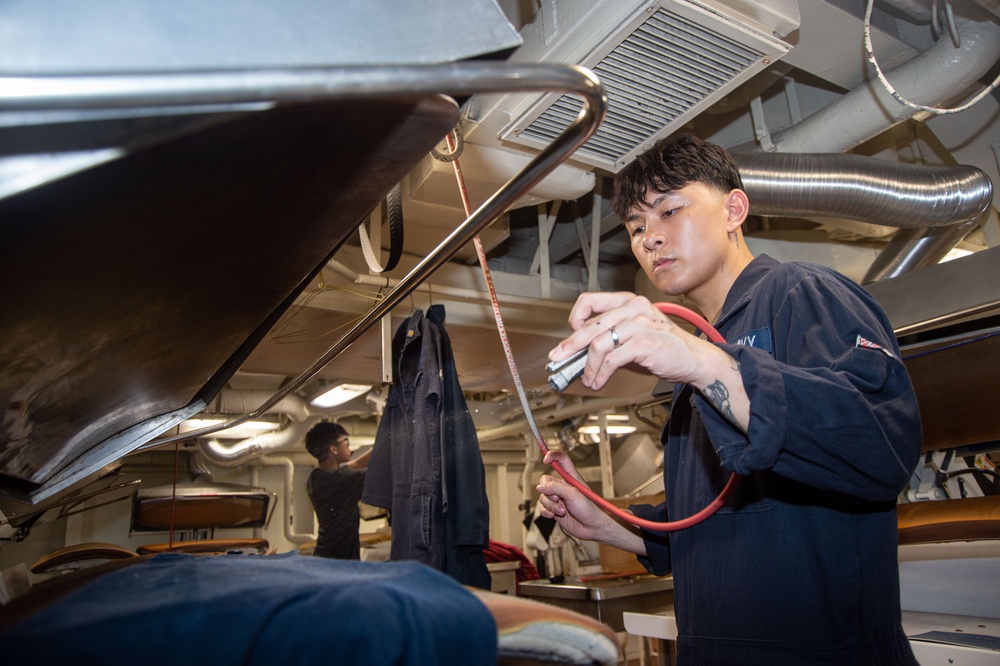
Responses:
[808,401]
[335,490]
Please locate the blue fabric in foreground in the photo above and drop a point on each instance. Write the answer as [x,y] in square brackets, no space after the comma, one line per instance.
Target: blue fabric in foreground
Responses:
[247,609]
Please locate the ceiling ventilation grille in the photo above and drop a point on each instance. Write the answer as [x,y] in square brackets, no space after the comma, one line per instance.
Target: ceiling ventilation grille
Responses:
[659,69]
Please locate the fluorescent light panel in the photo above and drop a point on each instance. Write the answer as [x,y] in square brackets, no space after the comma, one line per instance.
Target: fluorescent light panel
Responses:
[340,394]
[242,431]
[617,425]
[613,429]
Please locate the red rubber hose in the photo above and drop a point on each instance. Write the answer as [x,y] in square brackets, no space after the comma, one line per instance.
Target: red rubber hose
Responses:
[671,526]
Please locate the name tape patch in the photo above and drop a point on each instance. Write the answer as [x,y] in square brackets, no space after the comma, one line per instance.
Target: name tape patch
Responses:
[760,338]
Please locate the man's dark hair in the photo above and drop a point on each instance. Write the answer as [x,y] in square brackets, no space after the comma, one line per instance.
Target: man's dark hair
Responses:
[672,163]
[321,436]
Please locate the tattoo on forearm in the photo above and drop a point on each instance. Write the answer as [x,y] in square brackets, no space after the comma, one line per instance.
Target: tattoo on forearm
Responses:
[718,395]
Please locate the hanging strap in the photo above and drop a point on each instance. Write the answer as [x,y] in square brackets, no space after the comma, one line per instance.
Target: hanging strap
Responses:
[392,213]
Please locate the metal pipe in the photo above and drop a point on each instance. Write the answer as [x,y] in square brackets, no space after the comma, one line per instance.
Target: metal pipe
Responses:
[287,503]
[940,73]
[232,455]
[314,84]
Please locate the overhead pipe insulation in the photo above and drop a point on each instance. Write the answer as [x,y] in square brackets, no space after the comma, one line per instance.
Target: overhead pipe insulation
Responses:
[269,442]
[938,75]
[935,207]
[288,466]
[244,401]
[302,417]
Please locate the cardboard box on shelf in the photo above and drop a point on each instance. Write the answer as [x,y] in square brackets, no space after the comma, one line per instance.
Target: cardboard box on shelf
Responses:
[615,560]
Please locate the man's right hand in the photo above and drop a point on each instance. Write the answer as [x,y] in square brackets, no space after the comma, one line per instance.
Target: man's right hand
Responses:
[576,514]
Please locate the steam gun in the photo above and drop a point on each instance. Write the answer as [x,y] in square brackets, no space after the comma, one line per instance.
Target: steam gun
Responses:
[565,372]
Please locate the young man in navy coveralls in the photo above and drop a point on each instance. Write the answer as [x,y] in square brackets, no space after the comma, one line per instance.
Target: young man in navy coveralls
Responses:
[808,401]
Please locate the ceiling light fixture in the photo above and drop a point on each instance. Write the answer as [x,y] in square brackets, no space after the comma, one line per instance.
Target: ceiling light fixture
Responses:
[609,417]
[241,431]
[340,394]
[617,424]
[613,429]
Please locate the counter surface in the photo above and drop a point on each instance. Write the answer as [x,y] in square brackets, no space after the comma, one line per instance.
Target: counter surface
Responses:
[935,637]
[600,589]
[606,599]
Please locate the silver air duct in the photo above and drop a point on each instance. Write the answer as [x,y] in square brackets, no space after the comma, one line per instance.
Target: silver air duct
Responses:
[935,206]
[912,249]
[927,197]
[863,188]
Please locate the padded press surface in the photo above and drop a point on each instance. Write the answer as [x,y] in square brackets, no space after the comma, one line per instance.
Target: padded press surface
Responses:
[136,288]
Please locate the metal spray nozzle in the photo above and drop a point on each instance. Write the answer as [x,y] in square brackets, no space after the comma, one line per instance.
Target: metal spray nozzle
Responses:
[564,372]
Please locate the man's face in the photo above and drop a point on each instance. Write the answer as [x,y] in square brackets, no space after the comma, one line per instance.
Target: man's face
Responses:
[341,449]
[680,238]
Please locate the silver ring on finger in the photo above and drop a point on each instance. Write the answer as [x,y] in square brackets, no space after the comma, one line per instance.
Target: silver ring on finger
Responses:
[614,338]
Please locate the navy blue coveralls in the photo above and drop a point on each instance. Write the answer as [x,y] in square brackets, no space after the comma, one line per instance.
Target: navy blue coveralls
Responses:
[800,566]
[426,466]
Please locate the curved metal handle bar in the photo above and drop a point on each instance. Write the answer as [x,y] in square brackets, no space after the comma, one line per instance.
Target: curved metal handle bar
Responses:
[313,84]
[322,84]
